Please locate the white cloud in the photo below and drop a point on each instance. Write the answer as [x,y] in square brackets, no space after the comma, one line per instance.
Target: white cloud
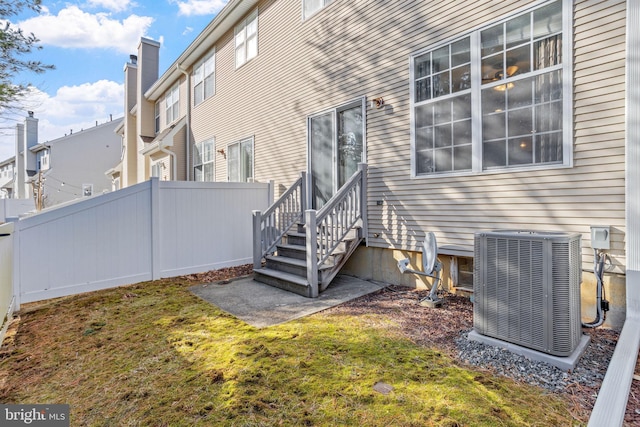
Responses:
[187,31]
[71,108]
[74,28]
[199,7]
[113,5]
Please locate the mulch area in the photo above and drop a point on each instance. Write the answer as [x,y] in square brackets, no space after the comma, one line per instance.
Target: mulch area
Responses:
[441,327]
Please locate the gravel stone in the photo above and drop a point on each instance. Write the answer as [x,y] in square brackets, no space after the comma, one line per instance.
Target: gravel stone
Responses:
[588,371]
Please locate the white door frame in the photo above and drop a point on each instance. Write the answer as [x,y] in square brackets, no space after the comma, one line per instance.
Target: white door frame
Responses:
[362,101]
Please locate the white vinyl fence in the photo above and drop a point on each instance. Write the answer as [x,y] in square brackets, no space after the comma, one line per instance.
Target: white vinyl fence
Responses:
[7,301]
[148,231]
[12,208]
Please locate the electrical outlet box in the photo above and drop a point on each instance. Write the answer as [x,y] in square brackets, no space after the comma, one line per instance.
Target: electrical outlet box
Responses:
[600,237]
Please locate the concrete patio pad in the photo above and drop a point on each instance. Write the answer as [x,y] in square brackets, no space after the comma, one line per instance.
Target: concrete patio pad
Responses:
[262,305]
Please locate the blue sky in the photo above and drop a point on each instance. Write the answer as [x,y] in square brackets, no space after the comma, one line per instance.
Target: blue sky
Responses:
[89,42]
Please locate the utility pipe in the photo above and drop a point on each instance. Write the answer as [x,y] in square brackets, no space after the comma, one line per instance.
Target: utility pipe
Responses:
[188,123]
[598,271]
[611,404]
[174,163]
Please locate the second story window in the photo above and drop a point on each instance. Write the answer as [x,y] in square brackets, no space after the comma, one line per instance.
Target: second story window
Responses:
[172,104]
[157,116]
[310,7]
[246,36]
[204,78]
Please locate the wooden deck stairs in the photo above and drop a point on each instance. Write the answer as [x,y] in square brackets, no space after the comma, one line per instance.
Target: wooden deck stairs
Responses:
[286,268]
[302,250]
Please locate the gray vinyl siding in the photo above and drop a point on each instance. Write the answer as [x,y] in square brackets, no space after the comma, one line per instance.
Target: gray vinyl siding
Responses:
[353,49]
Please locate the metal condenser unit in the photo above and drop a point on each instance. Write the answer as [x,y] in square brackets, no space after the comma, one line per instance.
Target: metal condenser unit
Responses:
[527,289]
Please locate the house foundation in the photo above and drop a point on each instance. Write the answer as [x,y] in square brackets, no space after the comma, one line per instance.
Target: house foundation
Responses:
[381,265]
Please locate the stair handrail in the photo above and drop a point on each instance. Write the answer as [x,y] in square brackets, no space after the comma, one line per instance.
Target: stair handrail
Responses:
[269,227]
[327,227]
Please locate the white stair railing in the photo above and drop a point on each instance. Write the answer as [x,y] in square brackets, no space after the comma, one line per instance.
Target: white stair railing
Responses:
[327,228]
[269,227]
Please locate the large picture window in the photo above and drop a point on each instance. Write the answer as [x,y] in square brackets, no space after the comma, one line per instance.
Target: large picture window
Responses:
[512,73]
[204,78]
[240,161]
[203,156]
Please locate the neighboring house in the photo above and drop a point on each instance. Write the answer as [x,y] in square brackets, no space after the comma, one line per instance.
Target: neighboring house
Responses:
[68,168]
[153,130]
[471,116]
[6,178]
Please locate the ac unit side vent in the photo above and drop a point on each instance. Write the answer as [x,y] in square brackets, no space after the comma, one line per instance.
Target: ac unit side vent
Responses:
[527,289]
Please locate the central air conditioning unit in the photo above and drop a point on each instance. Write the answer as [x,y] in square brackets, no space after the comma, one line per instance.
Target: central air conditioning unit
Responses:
[527,289]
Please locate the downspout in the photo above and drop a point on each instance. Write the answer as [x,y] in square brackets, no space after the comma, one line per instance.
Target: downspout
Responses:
[174,163]
[188,121]
[610,407]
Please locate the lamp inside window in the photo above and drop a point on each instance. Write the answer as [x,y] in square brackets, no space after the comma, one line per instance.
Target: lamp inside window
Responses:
[500,71]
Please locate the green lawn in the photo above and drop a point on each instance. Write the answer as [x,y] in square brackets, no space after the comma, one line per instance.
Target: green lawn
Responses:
[155,355]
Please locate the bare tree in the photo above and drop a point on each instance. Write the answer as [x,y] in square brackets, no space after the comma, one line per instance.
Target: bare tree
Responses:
[15,46]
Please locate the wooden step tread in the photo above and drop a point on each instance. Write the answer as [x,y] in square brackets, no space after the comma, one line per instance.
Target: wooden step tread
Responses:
[294,261]
[281,275]
[302,248]
[293,247]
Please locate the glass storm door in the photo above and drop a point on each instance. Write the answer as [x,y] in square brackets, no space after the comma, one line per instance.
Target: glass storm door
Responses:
[336,145]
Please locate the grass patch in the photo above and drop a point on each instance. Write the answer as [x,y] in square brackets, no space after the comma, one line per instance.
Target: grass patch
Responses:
[154,354]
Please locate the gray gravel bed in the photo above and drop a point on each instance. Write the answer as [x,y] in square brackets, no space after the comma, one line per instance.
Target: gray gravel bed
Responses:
[589,371]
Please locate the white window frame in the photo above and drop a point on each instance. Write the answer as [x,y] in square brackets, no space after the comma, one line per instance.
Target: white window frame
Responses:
[204,78]
[241,166]
[476,106]
[45,160]
[157,117]
[199,159]
[87,190]
[246,39]
[172,104]
[314,7]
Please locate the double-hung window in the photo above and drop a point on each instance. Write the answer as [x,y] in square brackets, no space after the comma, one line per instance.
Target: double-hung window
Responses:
[172,104]
[310,7]
[246,39]
[157,116]
[240,161]
[494,99]
[204,78]
[203,157]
